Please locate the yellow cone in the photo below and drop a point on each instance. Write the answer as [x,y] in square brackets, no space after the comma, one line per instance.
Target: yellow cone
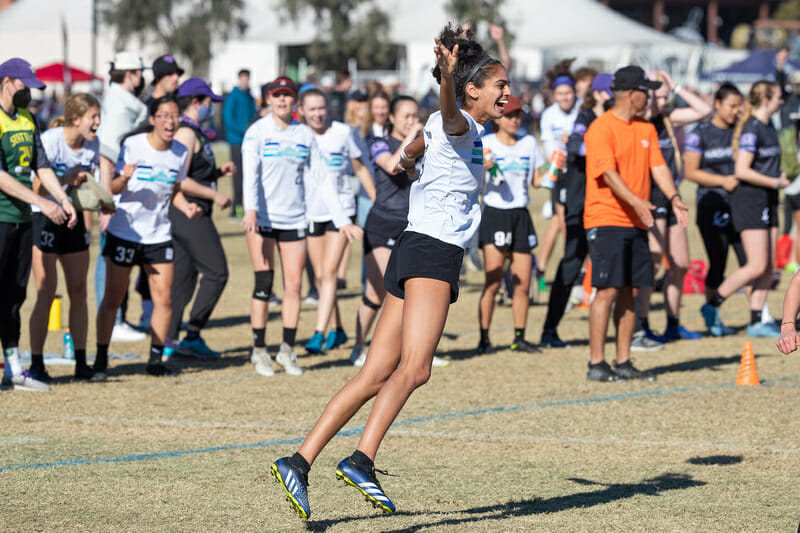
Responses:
[54,323]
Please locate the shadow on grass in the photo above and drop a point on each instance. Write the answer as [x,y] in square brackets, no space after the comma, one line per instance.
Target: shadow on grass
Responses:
[237,320]
[606,493]
[704,363]
[716,460]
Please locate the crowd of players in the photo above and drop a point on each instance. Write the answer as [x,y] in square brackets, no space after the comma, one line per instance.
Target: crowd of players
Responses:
[613,148]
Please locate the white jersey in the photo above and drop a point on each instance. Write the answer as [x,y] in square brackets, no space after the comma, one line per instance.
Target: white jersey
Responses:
[517,163]
[143,205]
[554,124]
[337,147]
[63,158]
[277,164]
[443,203]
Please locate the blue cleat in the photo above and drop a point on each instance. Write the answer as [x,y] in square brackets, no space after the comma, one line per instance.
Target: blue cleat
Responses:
[768,331]
[650,334]
[713,321]
[197,348]
[295,483]
[314,344]
[330,340]
[681,333]
[550,339]
[366,482]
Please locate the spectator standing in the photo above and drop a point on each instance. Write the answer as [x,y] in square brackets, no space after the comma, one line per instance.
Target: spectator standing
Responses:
[238,110]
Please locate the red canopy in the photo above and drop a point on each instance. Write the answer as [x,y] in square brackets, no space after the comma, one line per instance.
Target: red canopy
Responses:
[54,72]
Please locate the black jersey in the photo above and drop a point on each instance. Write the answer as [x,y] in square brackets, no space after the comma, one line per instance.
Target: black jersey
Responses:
[391,191]
[575,176]
[762,140]
[666,144]
[716,157]
[203,168]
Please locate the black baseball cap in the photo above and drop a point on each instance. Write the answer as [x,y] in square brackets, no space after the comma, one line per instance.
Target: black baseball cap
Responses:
[358,96]
[164,66]
[633,77]
[282,84]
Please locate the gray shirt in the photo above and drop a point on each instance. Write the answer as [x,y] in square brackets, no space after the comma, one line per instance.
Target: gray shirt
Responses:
[120,114]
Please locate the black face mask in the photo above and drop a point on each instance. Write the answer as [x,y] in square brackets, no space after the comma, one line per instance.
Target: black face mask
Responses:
[22,98]
[139,88]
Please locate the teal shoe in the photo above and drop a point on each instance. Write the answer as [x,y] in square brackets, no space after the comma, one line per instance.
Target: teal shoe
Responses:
[197,348]
[768,331]
[314,344]
[335,339]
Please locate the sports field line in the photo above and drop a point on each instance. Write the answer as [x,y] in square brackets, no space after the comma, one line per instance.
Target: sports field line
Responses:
[357,431]
[589,440]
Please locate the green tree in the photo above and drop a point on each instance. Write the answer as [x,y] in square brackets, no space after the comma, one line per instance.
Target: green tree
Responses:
[182,27]
[481,13]
[347,28]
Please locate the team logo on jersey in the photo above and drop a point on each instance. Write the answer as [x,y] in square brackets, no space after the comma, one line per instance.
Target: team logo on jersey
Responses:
[275,149]
[645,143]
[146,173]
[748,142]
[477,152]
[334,159]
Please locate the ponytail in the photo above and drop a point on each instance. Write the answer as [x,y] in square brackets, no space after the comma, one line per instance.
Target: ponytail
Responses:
[57,122]
[671,132]
[761,91]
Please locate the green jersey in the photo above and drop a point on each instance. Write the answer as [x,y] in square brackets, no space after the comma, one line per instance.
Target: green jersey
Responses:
[21,154]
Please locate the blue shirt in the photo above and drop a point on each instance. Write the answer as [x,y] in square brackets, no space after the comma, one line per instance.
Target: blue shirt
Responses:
[237,111]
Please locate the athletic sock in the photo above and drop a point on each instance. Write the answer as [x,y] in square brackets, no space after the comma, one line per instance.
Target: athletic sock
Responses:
[645,322]
[519,334]
[673,321]
[298,461]
[289,335]
[101,361]
[485,336]
[12,365]
[37,361]
[755,316]
[258,337]
[362,461]
[192,335]
[156,351]
[716,300]
[80,358]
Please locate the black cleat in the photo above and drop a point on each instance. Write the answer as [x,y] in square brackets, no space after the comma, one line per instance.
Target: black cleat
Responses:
[628,371]
[602,372]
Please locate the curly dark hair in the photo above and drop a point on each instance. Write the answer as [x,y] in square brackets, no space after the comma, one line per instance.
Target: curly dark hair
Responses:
[470,54]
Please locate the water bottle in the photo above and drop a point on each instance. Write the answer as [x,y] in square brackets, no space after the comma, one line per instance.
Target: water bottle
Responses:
[554,166]
[495,174]
[69,348]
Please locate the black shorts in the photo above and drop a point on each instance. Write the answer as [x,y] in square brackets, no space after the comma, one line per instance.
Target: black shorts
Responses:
[714,217]
[558,194]
[620,257]
[318,229]
[754,208]
[52,238]
[126,253]
[663,208]
[793,200]
[282,235]
[420,256]
[507,229]
[380,232]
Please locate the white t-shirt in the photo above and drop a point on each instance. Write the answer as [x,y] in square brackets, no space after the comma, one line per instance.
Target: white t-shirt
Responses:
[517,163]
[63,158]
[276,164]
[443,203]
[337,148]
[554,124]
[143,205]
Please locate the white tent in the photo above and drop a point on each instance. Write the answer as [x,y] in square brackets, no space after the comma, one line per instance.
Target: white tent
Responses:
[543,29]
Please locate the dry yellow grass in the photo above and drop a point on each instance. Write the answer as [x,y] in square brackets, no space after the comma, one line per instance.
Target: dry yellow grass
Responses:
[503,442]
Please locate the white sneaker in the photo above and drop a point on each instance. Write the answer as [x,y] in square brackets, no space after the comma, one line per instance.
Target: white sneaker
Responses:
[438,361]
[274,301]
[288,360]
[262,362]
[24,382]
[124,332]
[358,356]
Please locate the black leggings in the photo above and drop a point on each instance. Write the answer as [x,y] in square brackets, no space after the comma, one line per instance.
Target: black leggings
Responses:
[569,270]
[717,242]
[16,248]
[198,250]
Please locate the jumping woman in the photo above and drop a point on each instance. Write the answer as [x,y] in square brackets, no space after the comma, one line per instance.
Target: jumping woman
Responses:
[422,275]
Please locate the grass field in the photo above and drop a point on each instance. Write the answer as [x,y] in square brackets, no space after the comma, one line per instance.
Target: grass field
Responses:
[502,442]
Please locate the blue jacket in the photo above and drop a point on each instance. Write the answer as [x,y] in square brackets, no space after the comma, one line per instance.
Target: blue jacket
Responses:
[238,109]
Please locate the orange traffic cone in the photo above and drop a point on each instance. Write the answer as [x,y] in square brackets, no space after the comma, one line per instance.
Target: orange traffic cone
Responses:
[747,368]
[587,287]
